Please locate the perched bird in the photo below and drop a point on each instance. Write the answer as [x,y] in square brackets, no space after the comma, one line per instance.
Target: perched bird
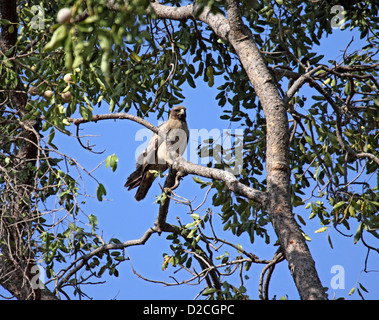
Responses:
[171,140]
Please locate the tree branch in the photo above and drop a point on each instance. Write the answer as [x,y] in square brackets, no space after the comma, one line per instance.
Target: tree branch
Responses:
[216,21]
[114,116]
[263,288]
[165,203]
[230,180]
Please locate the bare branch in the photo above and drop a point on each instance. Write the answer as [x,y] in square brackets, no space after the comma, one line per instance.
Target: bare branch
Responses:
[263,290]
[114,116]
[230,180]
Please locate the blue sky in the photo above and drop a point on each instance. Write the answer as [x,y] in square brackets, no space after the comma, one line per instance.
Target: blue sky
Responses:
[124,218]
[120,216]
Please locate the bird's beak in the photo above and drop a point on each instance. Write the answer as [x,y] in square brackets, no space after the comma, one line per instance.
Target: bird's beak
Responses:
[182,111]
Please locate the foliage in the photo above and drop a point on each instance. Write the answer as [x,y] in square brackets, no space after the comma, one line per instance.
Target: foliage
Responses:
[121,59]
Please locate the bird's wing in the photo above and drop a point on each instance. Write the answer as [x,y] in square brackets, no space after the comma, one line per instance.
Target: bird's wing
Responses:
[149,159]
[150,154]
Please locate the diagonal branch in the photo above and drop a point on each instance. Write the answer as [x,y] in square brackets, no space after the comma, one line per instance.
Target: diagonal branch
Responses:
[230,180]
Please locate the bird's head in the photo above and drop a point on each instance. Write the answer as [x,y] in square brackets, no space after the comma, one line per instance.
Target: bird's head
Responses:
[178,112]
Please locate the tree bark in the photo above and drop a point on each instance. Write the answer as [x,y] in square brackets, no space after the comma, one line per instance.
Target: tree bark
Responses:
[300,261]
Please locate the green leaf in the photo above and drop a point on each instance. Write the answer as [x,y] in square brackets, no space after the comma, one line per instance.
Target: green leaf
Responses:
[192,233]
[347,88]
[100,192]
[209,73]
[352,211]
[198,180]
[209,291]
[195,216]
[190,80]
[135,57]
[85,113]
[191,224]
[363,288]
[111,161]
[112,105]
[309,140]
[162,198]
[330,241]
[120,258]
[58,38]
[321,229]
[90,19]
[306,237]
[358,233]
[92,221]
[301,220]
[338,205]
[5,22]
[189,262]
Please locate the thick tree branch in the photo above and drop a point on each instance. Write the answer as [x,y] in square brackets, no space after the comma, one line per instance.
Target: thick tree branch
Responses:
[217,21]
[230,180]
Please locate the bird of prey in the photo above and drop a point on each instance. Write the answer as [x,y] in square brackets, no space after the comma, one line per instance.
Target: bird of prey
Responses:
[171,140]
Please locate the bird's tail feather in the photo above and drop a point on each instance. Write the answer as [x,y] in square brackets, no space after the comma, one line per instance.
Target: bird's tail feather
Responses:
[134,179]
[144,186]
